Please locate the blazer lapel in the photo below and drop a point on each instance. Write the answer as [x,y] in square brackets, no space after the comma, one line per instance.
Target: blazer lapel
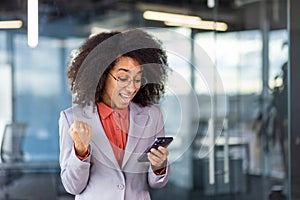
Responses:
[100,142]
[138,121]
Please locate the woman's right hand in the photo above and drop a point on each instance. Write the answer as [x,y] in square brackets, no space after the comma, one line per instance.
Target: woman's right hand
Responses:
[81,134]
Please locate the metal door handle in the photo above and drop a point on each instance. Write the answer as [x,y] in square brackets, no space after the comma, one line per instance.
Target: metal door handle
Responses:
[211,143]
[226,151]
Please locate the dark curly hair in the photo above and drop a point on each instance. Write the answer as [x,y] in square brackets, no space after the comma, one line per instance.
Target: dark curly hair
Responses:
[89,65]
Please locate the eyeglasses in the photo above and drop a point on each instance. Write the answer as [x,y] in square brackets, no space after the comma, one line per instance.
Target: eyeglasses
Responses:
[126,80]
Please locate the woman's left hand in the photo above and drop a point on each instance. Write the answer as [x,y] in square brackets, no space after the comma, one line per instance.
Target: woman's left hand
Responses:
[158,157]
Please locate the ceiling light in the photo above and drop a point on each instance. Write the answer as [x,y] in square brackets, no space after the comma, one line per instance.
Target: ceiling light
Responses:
[170,17]
[204,25]
[211,3]
[33,23]
[11,24]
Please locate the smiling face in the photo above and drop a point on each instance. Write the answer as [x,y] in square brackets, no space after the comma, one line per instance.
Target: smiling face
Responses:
[122,83]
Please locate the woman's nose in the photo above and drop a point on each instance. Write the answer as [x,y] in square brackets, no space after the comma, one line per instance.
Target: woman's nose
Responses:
[131,86]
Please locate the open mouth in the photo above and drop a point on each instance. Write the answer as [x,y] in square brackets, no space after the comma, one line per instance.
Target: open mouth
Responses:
[125,98]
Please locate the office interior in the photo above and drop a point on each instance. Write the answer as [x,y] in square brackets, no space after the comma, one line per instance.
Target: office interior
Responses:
[231,102]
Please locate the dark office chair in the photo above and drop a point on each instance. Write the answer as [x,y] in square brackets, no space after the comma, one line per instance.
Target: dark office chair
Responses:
[11,152]
[12,143]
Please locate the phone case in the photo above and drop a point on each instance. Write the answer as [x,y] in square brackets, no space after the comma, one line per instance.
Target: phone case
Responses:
[159,141]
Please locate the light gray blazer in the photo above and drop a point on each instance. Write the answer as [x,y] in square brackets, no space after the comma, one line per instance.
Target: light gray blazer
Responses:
[100,176]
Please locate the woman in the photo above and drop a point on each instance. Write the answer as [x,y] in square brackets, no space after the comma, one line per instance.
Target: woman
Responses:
[116,79]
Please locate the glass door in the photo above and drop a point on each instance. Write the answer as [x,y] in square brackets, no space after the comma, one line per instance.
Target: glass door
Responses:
[234,112]
[247,146]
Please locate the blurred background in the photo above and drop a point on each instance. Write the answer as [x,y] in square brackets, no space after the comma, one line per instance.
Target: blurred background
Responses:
[235,125]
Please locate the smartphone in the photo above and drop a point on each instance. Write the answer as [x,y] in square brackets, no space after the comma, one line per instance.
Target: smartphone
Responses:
[159,141]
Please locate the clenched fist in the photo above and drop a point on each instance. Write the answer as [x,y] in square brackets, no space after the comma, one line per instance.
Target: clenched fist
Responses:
[81,134]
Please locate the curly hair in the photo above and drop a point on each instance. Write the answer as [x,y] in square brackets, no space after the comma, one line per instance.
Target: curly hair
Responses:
[90,64]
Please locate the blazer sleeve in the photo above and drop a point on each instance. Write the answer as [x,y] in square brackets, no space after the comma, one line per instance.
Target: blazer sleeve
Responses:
[158,181]
[74,172]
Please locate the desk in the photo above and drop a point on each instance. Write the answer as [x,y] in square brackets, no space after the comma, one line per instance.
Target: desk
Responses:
[220,143]
[30,180]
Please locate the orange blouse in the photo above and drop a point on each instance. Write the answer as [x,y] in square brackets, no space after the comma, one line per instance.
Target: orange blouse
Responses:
[116,124]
